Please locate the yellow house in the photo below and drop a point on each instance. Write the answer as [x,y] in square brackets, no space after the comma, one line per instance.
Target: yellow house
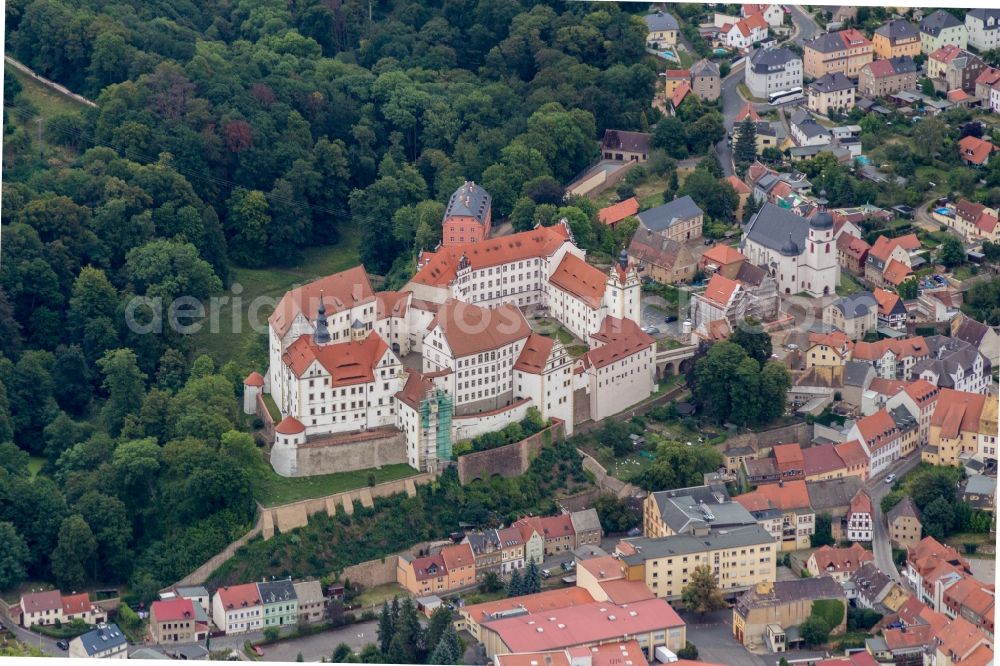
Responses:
[740,557]
[761,616]
[896,38]
[829,350]
[673,78]
[955,427]
[661,30]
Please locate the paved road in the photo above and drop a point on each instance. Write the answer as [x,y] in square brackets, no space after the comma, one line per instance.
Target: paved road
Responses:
[45,644]
[731,104]
[805,28]
[878,488]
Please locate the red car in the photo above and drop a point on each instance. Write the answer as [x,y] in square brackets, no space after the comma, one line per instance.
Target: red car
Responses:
[258,650]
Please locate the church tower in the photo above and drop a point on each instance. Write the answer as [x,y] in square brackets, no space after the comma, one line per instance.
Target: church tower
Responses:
[822,271]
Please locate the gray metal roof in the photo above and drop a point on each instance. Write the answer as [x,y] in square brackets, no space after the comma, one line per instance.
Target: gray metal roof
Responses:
[828,42]
[585,521]
[684,513]
[906,507]
[832,83]
[105,637]
[856,305]
[276,591]
[771,60]
[683,544]
[938,21]
[188,591]
[772,226]
[807,124]
[660,21]
[978,484]
[856,373]
[832,494]
[704,67]
[897,30]
[669,214]
[983,14]
[469,200]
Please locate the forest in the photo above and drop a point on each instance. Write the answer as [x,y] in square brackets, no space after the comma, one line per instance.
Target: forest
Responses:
[228,136]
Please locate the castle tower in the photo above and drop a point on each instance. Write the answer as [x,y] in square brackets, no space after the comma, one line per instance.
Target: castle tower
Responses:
[321,335]
[624,290]
[252,387]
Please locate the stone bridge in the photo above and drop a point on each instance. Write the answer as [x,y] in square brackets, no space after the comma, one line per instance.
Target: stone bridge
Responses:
[674,361]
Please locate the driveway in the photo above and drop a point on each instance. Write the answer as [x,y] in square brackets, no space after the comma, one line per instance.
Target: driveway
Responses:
[322,645]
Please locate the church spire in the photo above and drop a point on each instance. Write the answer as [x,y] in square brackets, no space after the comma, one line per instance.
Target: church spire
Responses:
[322,334]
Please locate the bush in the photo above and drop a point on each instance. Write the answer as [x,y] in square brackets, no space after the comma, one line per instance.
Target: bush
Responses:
[689,651]
[271,634]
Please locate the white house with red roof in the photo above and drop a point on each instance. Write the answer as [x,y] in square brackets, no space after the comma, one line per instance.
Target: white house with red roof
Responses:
[774,15]
[860,517]
[620,368]
[880,436]
[238,609]
[744,33]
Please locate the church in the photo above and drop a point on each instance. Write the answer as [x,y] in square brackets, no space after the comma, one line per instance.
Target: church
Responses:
[799,253]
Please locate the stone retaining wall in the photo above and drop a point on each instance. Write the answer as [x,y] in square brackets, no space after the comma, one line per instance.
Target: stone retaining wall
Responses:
[507,461]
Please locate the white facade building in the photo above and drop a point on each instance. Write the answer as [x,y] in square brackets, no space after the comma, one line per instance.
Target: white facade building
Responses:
[800,254]
[619,370]
[984,28]
[772,70]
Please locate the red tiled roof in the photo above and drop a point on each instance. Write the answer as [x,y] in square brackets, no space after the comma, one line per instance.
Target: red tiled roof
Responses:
[235,597]
[623,339]
[877,429]
[957,411]
[988,76]
[957,95]
[852,453]
[678,74]
[720,289]
[440,267]
[535,354]
[861,502]
[886,300]
[896,272]
[946,53]
[541,602]
[680,93]
[787,454]
[884,246]
[42,601]
[842,559]
[76,603]
[739,186]
[615,213]
[174,610]
[785,496]
[975,150]
[922,392]
[429,566]
[902,348]
[987,222]
[339,292]
[470,329]
[723,255]
[347,362]
[254,379]
[415,389]
[852,246]
[837,340]
[392,303]
[881,68]
[959,638]
[821,459]
[576,276]
[458,556]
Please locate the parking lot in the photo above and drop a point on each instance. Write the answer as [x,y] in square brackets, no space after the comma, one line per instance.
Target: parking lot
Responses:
[655,316]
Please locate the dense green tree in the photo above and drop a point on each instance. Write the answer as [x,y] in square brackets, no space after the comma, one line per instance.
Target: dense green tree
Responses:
[386,627]
[448,650]
[718,200]
[670,135]
[677,466]
[13,556]
[938,518]
[617,515]
[30,395]
[407,644]
[745,146]
[753,339]
[169,269]
[74,559]
[951,253]
[909,289]
[823,535]
[814,631]
[108,519]
[437,626]
[124,383]
[702,594]
[515,585]
[532,582]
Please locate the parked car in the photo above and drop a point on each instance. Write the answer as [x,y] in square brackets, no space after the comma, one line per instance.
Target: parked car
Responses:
[546,573]
[890,478]
[652,330]
[63,644]
[669,319]
[791,346]
[258,650]
[709,241]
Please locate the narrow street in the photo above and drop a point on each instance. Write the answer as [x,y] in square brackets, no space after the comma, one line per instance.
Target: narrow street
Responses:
[878,488]
[45,644]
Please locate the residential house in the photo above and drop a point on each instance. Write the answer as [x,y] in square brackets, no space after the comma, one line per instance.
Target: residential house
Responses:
[952,68]
[281,606]
[661,30]
[772,70]
[486,549]
[105,642]
[174,621]
[773,14]
[833,497]
[956,428]
[797,518]
[196,593]
[762,289]
[873,587]
[852,252]
[925,559]
[460,562]
[892,359]
[680,220]
[897,38]
[955,364]
[451,568]
[983,26]
[987,80]
[828,350]
[852,452]
[984,338]
[763,615]
[745,556]
[468,217]
[890,260]
[891,311]
[807,132]
[881,438]
[743,34]
[673,78]
[856,315]
[861,518]
[904,523]
[961,642]
[972,220]
[80,607]
[823,462]
[980,492]
[41,608]
[919,398]
[971,600]
[311,601]
[831,92]
[941,29]
[975,152]
[238,609]
[723,260]
[838,563]
[513,548]
[661,259]
[615,213]
[846,51]
[625,146]
[587,528]
[706,82]
[557,531]
[881,78]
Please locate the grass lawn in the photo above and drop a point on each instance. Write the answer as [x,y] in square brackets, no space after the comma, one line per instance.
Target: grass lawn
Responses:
[375,596]
[271,283]
[272,408]
[275,489]
[747,95]
[35,465]
[48,102]
[625,468]
[986,545]
[686,58]
[963,272]
[848,285]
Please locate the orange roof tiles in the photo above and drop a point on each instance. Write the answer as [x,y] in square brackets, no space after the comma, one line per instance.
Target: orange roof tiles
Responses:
[959,638]
[235,597]
[922,392]
[723,255]
[785,496]
[254,379]
[470,329]
[946,53]
[439,268]
[887,387]
[852,453]
[861,502]
[981,656]
[957,95]
[535,354]
[289,426]
[429,566]
[603,568]
[615,213]
[975,150]
[878,429]
[720,290]
[896,272]
[886,300]
[340,291]
[987,222]
[76,603]
[957,411]
[738,185]
[901,348]
[678,74]
[392,303]
[347,362]
[884,246]
[415,389]
[576,276]
[626,591]
[787,454]
[837,560]
[621,337]
[852,246]
[458,556]
[834,339]
[821,460]
[682,91]
[174,610]
[533,603]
